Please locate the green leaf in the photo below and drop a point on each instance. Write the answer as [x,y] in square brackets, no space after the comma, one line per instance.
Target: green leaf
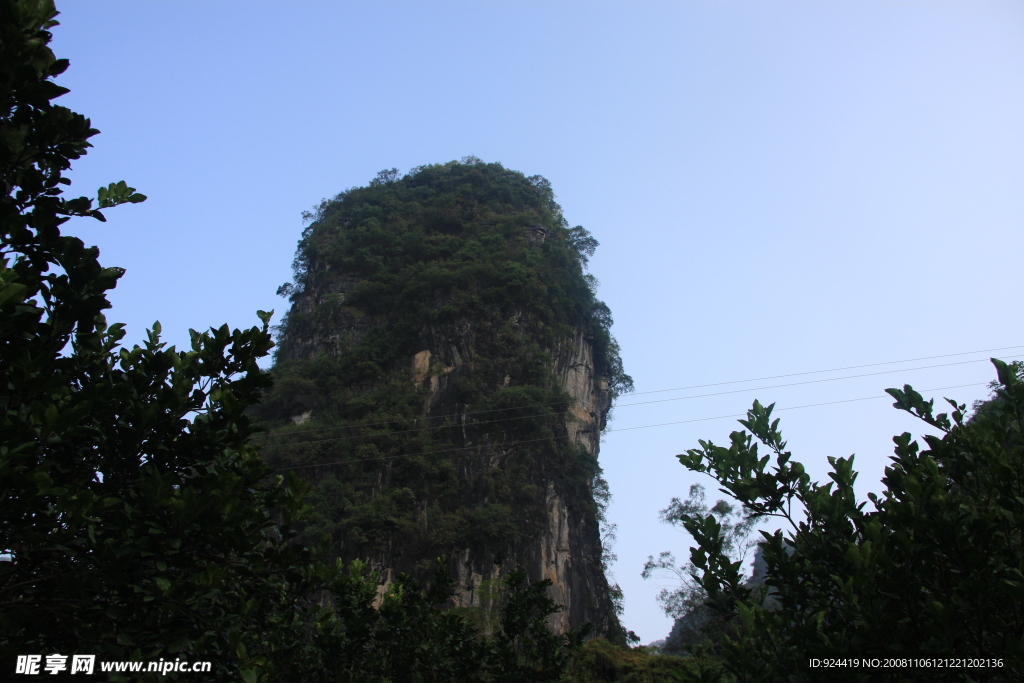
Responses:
[12,291]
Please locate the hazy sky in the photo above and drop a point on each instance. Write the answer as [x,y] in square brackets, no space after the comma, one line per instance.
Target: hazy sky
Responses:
[778,187]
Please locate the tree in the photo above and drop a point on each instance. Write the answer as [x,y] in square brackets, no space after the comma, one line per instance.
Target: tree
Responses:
[133,530]
[695,621]
[138,520]
[408,639]
[933,572]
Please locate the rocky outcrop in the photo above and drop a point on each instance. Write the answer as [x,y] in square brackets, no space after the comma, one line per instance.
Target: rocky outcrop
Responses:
[329,322]
[442,325]
[568,550]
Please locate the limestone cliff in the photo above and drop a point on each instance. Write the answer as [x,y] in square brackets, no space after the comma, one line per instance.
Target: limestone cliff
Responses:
[443,377]
[567,550]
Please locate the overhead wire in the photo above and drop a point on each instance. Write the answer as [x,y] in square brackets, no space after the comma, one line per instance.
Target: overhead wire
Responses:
[621,429]
[816,372]
[794,384]
[415,429]
[699,386]
[621,405]
[810,405]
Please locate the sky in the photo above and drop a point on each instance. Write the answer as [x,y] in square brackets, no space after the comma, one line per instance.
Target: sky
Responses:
[778,187]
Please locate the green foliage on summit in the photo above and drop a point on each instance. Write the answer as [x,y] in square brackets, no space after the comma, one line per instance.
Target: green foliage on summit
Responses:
[447,243]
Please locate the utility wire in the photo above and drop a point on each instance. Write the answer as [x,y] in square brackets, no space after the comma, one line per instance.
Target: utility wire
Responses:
[815,372]
[809,381]
[407,431]
[625,405]
[622,429]
[695,386]
[810,405]
[406,455]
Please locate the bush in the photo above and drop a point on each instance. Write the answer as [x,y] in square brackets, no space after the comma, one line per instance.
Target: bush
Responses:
[933,572]
[599,661]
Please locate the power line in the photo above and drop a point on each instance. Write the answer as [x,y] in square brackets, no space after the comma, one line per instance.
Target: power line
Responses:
[407,455]
[810,405]
[407,431]
[794,384]
[700,386]
[626,405]
[623,429]
[815,372]
[422,417]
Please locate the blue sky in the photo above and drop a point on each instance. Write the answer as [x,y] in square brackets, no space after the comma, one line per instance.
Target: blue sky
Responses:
[778,186]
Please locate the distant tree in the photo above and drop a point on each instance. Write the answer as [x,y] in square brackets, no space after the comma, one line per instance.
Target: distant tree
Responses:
[934,572]
[385,177]
[694,621]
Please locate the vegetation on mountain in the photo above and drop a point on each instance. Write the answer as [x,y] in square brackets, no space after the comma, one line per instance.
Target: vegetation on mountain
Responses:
[137,520]
[444,244]
[477,262]
[931,577]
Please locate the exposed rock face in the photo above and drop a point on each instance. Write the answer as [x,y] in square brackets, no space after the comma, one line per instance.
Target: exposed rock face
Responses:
[476,408]
[568,550]
[346,323]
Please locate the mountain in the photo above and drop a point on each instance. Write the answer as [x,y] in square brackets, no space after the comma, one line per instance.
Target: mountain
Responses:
[442,379]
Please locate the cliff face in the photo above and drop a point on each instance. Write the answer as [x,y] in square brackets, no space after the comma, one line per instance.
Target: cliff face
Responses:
[443,378]
[567,548]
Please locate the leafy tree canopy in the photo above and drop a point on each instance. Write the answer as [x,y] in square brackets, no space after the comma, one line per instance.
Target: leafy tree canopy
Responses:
[932,572]
[450,242]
